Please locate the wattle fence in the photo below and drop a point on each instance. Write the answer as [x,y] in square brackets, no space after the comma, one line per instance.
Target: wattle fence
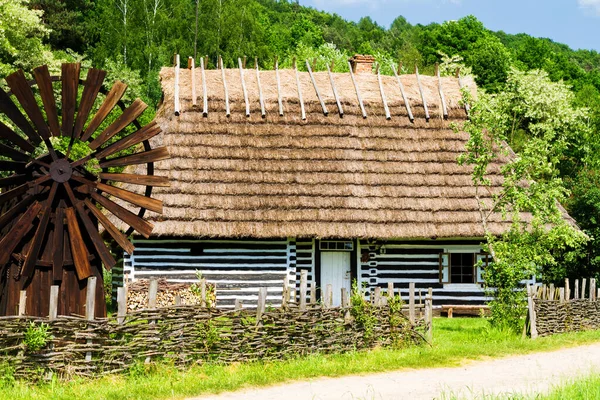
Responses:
[185,334]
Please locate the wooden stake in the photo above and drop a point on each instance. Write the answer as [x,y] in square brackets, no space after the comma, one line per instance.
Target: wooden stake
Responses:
[377,296]
[176,95]
[242,66]
[345,300]
[90,308]
[422,94]
[567,290]
[328,296]
[429,317]
[335,93]
[583,285]
[177,300]
[360,102]
[383,98]
[303,278]
[390,290]
[285,295]
[411,302]
[152,292]
[192,67]
[313,293]
[576,289]
[22,302]
[442,97]
[204,90]
[238,304]
[260,93]
[312,78]
[121,305]
[531,310]
[53,309]
[404,98]
[227,109]
[279,102]
[203,292]
[302,110]
[551,292]
[262,300]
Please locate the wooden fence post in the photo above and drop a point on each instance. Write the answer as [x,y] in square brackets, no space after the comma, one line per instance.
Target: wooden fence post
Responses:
[411,302]
[313,293]
[576,297]
[177,300]
[328,296]
[345,302]
[593,289]
[122,305]
[303,278]
[428,316]
[285,295]
[90,308]
[203,292]
[583,285]
[261,305]
[22,302]
[177,106]
[561,293]
[531,310]
[567,289]
[238,305]
[53,309]
[152,292]
[551,292]
[377,296]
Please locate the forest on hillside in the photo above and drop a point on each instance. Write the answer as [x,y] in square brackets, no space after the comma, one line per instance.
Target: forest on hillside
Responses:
[133,39]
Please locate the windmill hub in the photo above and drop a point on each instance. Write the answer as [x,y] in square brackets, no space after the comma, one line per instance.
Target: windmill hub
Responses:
[61,171]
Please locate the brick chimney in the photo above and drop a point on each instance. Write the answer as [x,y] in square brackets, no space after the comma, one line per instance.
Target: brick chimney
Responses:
[362,64]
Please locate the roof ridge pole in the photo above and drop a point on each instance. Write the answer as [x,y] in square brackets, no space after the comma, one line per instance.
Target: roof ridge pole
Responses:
[192,66]
[460,84]
[244,87]
[335,93]
[385,105]
[177,104]
[227,109]
[360,102]
[408,110]
[279,102]
[204,90]
[302,110]
[312,78]
[442,97]
[422,94]
[260,93]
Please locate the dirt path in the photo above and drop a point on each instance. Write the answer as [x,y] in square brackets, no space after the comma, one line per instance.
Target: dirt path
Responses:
[528,374]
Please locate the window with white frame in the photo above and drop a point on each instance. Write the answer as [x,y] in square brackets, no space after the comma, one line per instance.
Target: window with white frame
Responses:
[457,267]
[336,245]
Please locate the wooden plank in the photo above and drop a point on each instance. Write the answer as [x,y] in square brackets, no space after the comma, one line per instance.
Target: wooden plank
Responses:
[154,155]
[145,133]
[38,238]
[58,243]
[204,89]
[383,98]
[177,103]
[312,78]
[53,303]
[241,67]
[411,302]
[8,107]
[11,165]
[10,215]
[121,305]
[142,226]
[13,193]
[261,100]
[22,91]
[93,84]
[226,92]
[12,153]
[70,83]
[278,80]
[192,68]
[22,302]
[143,180]
[441,92]
[112,98]
[129,115]
[303,282]
[78,249]
[110,228]
[133,198]
[423,99]
[13,180]
[335,93]
[358,96]
[403,93]
[8,134]
[302,109]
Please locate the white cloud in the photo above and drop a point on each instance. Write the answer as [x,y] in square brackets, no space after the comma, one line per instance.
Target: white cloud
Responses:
[591,4]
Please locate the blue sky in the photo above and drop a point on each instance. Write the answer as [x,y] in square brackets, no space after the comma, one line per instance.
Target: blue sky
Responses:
[573,22]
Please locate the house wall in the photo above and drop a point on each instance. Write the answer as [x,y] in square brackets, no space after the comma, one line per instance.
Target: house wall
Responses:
[240,267]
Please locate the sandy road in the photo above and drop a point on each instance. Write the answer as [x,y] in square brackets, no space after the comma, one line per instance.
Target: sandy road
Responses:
[526,374]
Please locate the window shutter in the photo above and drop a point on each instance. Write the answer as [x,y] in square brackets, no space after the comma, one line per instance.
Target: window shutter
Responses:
[445,268]
[484,258]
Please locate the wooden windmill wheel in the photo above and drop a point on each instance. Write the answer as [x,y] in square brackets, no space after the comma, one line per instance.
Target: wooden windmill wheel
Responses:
[50,200]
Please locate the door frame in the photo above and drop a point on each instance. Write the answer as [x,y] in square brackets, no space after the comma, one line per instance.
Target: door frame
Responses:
[353,263]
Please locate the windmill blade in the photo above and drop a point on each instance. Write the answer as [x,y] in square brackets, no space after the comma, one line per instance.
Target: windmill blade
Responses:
[20,88]
[146,133]
[8,134]
[58,242]
[11,194]
[44,82]
[20,229]
[129,115]
[70,83]
[38,238]
[160,153]
[142,226]
[130,197]
[78,249]
[11,214]
[143,180]
[111,100]
[14,114]
[93,83]
[92,230]
[12,165]
[13,180]
[14,154]
[111,229]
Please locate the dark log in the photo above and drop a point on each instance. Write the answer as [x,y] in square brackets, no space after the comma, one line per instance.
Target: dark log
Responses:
[111,100]
[146,133]
[70,84]
[78,249]
[11,194]
[8,134]
[93,84]
[160,153]
[144,180]
[58,256]
[13,180]
[14,154]
[128,116]
[14,114]
[20,229]
[139,224]
[44,82]
[11,165]
[110,228]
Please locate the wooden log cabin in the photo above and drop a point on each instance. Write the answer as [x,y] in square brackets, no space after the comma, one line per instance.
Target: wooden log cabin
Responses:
[349,176]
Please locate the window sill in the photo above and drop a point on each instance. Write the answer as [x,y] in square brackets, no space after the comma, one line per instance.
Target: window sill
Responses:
[462,286]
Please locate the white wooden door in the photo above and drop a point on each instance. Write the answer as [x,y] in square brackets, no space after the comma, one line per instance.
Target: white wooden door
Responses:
[335,271]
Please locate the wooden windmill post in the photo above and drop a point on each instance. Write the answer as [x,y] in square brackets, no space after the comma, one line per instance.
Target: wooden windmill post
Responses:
[53,202]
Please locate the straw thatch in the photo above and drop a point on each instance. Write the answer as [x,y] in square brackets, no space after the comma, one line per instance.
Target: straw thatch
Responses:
[325,176]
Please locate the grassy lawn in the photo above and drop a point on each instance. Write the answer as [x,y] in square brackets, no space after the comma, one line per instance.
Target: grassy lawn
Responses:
[456,341]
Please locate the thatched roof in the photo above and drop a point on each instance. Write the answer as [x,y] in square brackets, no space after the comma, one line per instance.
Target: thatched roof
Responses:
[325,176]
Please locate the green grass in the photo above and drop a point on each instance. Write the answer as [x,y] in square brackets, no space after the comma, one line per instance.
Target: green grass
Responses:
[456,341]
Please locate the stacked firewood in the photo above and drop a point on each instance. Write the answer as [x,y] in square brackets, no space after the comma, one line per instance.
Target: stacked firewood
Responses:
[167,293]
